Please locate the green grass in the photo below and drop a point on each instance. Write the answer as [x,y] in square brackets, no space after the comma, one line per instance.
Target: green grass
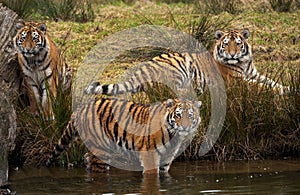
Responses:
[257,125]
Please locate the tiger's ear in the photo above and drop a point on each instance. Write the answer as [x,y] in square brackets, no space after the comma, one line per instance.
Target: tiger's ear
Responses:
[219,34]
[246,33]
[169,103]
[42,27]
[20,24]
[198,104]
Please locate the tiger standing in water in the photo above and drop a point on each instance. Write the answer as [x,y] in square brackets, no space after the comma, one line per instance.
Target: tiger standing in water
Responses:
[43,66]
[155,132]
[232,53]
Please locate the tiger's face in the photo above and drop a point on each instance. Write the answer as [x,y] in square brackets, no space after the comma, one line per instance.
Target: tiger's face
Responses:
[183,117]
[30,38]
[232,47]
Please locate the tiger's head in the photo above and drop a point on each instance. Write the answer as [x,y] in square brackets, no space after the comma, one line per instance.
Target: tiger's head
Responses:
[232,48]
[183,116]
[30,38]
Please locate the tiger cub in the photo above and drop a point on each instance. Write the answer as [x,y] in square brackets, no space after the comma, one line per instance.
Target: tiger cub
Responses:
[155,132]
[43,67]
[232,55]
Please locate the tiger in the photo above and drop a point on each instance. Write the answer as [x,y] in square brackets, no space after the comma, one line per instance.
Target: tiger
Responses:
[155,132]
[42,65]
[231,54]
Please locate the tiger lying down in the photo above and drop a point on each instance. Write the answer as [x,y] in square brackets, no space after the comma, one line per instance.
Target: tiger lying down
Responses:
[156,132]
[232,53]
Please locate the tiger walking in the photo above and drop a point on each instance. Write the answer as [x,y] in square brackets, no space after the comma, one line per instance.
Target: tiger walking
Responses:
[154,132]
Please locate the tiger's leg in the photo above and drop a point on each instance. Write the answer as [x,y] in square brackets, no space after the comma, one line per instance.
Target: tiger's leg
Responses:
[48,96]
[33,96]
[94,164]
[150,162]
[263,81]
[164,168]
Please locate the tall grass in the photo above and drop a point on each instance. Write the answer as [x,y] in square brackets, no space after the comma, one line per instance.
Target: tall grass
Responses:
[37,135]
[219,6]
[259,124]
[22,7]
[74,10]
[281,5]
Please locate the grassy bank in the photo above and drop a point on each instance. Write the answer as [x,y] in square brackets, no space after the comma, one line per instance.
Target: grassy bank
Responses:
[258,123]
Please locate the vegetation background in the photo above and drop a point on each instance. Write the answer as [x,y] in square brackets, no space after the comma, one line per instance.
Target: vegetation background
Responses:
[258,124]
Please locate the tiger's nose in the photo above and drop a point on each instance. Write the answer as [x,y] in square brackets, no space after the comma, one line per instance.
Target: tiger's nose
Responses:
[232,53]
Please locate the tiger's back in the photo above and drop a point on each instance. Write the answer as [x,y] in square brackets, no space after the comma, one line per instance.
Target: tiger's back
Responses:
[232,57]
[154,134]
[43,67]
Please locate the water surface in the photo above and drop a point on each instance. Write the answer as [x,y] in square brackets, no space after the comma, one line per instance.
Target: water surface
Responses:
[191,177]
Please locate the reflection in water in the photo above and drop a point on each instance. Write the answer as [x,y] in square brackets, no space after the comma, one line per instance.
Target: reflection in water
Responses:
[199,177]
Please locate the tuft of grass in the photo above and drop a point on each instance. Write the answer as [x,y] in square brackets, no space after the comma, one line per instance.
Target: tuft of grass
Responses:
[204,28]
[281,5]
[219,6]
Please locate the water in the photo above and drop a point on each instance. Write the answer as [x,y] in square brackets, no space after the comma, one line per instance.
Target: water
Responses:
[197,177]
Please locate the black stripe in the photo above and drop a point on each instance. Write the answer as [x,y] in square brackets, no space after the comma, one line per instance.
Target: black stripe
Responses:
[126,144]
[44,58]
[104,120]
[249,65]
[105,89]
[102,101]
[46,67]
[90,108]
[116,131]
[162,136]
[26,64]
[132,142]
[120,142]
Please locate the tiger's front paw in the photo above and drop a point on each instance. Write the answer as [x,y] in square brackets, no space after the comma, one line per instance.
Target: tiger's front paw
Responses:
[92,88]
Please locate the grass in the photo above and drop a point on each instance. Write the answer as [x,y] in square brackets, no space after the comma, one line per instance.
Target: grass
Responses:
[258,124]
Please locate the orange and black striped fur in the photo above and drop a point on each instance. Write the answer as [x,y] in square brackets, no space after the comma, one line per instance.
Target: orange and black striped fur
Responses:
[155,132]
[43,67]
[232,55]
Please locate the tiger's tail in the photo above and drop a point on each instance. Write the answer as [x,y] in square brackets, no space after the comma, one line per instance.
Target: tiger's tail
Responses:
[68,136]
